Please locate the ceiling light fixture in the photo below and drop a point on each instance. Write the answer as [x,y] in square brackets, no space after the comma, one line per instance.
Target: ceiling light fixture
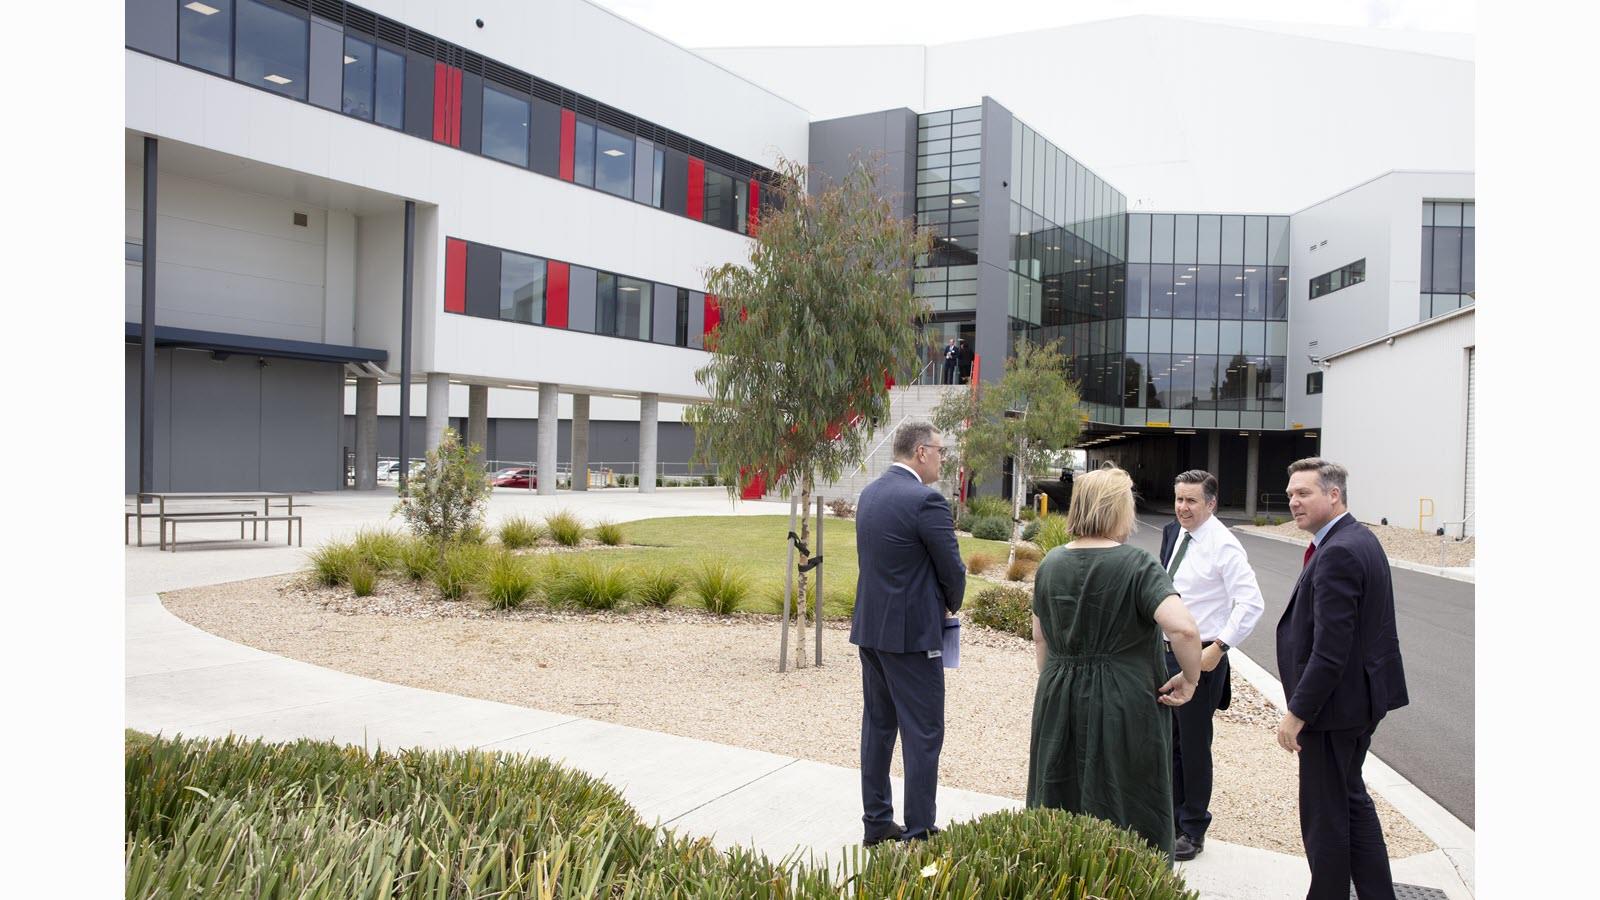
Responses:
[613,152]
[275,78]
[201,8]
[349,59]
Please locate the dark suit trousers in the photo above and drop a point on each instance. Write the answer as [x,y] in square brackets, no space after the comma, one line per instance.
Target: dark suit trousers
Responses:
[1191,750]
[904,693]
[949,372]
[1338,823]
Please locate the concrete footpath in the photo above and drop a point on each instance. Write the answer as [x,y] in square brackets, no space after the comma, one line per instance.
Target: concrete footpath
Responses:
[180,679]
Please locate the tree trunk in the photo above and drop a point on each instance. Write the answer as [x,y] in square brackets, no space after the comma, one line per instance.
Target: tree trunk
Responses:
[1016,511]
[801,606]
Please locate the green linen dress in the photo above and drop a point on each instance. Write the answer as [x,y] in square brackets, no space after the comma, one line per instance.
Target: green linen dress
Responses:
[1101,744]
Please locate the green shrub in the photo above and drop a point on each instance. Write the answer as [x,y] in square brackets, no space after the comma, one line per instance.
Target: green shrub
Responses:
[989,506]
[608,533]
[462,567]
[448,495]
[992,528]
[363,579]
[964,521]
[658,588]
[1260,520]
[417,559]
[1031,530]
[508,580]
[1278,520]
[565,528]
[720,586]
[1023,853]
[1052,533]
[518,532]
[330,563]
[589,584]
[1008,609]
[473,534]
[380,548]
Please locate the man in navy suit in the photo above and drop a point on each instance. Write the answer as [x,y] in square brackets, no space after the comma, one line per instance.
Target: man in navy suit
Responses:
[1339,660]
[911,579]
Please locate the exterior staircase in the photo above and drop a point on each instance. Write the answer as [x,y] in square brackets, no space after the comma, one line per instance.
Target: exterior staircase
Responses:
[912,401]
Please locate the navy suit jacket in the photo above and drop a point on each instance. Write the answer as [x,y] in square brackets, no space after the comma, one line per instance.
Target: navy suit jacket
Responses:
[911,569]
[1338,650]
[1169,540]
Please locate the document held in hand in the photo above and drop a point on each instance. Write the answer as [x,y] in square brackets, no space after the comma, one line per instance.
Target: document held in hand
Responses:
[952,643]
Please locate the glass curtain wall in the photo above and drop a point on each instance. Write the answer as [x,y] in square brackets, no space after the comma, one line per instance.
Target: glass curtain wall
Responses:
[1207,334]
[1068,234]
[1449,256]
[949,148]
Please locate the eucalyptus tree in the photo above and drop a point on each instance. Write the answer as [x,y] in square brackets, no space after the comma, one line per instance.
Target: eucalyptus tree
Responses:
[811,328]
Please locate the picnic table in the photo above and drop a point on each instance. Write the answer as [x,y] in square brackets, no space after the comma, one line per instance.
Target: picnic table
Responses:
[165,518]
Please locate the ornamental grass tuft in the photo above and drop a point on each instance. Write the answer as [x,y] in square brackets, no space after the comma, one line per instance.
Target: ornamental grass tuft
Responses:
[660,587]
[363,579]
[1053,533]
[720,586]
[331,562]
[980,562]
[461,567]
[589,584]
[608,533]
[519,532]
[565,528]
[380,548]
[508,580]
[418,556]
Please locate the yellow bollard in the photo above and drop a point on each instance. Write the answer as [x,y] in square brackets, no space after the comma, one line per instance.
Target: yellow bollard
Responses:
[1044,505]
[1420,514]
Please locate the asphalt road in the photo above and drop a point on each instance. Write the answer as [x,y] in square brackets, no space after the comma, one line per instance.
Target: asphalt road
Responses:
[1430,741]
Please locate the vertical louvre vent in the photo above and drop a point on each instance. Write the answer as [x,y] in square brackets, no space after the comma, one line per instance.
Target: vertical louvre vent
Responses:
[416,40]
[585,106]
[472,62]
[360,20]
[615,117]
[299,4]
[328,9]
[508,76]
[546,91]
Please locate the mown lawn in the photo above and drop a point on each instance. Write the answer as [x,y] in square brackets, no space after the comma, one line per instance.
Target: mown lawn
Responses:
[756,544]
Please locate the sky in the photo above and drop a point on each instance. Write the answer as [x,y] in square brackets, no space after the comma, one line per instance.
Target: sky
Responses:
[733,23]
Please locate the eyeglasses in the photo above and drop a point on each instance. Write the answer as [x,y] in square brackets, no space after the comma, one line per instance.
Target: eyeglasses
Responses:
[938,447]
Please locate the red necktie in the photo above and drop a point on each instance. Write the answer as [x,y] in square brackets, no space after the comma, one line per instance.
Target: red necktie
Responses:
[1310,549]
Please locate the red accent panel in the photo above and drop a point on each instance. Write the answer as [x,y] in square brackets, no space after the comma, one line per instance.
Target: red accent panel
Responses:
[713,313]
[755,488]
[754,216]
[569,135]
[555,294]
[697,190]
[455,275]
[441,99]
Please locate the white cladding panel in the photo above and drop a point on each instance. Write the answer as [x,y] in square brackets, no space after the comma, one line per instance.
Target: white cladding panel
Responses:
[1396,417]
[234,261]
[1177,114]
[1379,221]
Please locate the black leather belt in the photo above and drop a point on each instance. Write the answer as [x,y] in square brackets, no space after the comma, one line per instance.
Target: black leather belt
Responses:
[1168,645]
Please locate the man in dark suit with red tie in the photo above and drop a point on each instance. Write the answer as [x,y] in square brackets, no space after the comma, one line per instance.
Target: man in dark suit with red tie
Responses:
[1339,660]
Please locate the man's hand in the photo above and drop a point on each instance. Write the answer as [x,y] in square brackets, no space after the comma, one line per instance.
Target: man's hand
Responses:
[1177,691]
[1289,732]
[1209,657]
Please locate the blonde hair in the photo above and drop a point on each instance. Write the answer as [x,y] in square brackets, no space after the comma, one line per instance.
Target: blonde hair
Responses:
[1102,505]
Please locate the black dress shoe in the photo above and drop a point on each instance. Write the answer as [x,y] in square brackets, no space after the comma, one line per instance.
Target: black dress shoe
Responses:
[874,840]
[921,835]
[1185,848]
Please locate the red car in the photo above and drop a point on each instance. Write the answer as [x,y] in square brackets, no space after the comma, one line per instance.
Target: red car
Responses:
[515,478]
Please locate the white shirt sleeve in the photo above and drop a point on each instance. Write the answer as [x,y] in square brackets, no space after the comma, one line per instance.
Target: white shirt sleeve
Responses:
[1239,581]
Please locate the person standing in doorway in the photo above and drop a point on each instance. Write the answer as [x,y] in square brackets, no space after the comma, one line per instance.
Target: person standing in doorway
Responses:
[1210,571]
[911,578]
[952,362]
[1339,661]
[966,361]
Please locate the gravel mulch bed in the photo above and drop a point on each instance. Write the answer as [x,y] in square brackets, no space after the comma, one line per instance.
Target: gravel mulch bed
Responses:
[1406,544]
[725,687]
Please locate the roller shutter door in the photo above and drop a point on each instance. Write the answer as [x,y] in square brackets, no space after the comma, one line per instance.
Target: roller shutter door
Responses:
[1468,504]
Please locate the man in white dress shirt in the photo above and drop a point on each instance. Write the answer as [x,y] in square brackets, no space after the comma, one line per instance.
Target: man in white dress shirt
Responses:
[1210,571]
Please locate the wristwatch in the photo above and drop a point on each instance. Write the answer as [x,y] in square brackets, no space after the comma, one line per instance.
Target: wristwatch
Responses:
[1221,643]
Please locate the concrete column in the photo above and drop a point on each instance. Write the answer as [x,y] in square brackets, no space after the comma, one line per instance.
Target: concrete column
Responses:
[438,408]
[649,412]
[549,429]
[366,434]
[580,442]
[1252,476]
[1214,453]
[478,420]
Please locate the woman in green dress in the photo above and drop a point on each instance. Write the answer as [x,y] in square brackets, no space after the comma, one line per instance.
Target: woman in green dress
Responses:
[1102,728]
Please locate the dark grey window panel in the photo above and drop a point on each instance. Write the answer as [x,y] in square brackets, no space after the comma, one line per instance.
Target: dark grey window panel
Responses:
[666,314]
[327,64]
[580,299]
[483,281]
[675,188]
[697,320]
[152,26]
[544,138]
[419,95]
[471,112]
[643,169]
